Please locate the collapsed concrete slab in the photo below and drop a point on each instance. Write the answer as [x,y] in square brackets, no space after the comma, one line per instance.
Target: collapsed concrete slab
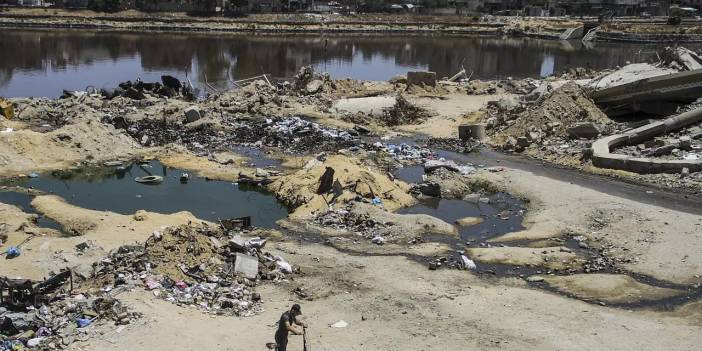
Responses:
[659,94]
[603,158]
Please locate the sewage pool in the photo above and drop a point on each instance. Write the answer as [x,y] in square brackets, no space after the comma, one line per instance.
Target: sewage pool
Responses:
[501,215]
[114,189]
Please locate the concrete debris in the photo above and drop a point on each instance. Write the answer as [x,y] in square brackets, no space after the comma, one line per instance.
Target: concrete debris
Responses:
[192,114]
[585,130]
[246,265]
[421,78]
[546,121]
[628,74]
[372,106]
[432,189]
[680,58]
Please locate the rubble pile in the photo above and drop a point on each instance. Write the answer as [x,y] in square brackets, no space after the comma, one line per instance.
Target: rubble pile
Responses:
[159,132]
[685,144]
[679,58]
[308,82]
[362,225]
[57,316]
[199,266]
[44,115]
[551,121]
[512,86]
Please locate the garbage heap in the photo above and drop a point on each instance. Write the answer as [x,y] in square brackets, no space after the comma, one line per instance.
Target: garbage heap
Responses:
[292,134]
[44,317]
[198,266]
[169,87]
[363,225]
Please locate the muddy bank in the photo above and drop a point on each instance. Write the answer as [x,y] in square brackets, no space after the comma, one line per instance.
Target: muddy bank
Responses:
[290,23]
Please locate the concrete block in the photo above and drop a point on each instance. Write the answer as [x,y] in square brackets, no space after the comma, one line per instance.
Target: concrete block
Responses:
[471,131]
[192,114]
[246,265]
[419,78]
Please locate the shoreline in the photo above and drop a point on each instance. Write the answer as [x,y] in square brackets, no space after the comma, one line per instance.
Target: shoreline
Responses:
[623,30]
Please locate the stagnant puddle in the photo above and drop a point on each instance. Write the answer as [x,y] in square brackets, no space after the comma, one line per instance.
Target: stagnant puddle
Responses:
[500,212]
[23,201]
[115,189]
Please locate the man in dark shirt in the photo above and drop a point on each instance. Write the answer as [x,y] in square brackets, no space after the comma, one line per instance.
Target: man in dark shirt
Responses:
[286,324]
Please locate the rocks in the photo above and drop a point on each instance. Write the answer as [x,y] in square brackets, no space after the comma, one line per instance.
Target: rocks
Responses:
[314,86]
[469,221]
[421,78]
[585,130]
[260,172]
[192,114]
[534,279]
[663,150]
[432,189]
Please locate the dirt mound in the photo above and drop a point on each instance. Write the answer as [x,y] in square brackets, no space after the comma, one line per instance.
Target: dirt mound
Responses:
[549,116]
[300,189]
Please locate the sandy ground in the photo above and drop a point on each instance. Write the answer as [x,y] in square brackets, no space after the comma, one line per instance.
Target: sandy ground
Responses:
[391,303]
[449,112]
[659,242]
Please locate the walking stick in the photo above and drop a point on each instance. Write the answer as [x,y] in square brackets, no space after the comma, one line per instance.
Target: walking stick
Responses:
[305,344]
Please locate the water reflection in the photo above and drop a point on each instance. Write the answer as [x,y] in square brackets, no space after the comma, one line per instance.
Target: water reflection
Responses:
[44,62]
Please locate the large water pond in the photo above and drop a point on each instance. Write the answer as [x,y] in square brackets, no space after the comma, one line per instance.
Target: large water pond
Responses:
[115,189]
[44,62]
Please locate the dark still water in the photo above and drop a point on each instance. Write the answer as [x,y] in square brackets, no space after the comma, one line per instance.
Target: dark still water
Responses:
[115,189]
[43,62]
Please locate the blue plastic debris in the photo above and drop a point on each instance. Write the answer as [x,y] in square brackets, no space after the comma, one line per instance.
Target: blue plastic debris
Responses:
[376,201]
[83,322]
[12,252]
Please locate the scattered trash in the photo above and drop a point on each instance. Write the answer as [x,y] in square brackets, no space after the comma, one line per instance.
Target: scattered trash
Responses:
[83,322]
[340,324]
[153,179]
[12,252]
[468,263]
[378,240]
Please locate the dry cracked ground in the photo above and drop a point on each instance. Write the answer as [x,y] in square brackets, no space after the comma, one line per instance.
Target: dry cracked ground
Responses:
[557,298]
